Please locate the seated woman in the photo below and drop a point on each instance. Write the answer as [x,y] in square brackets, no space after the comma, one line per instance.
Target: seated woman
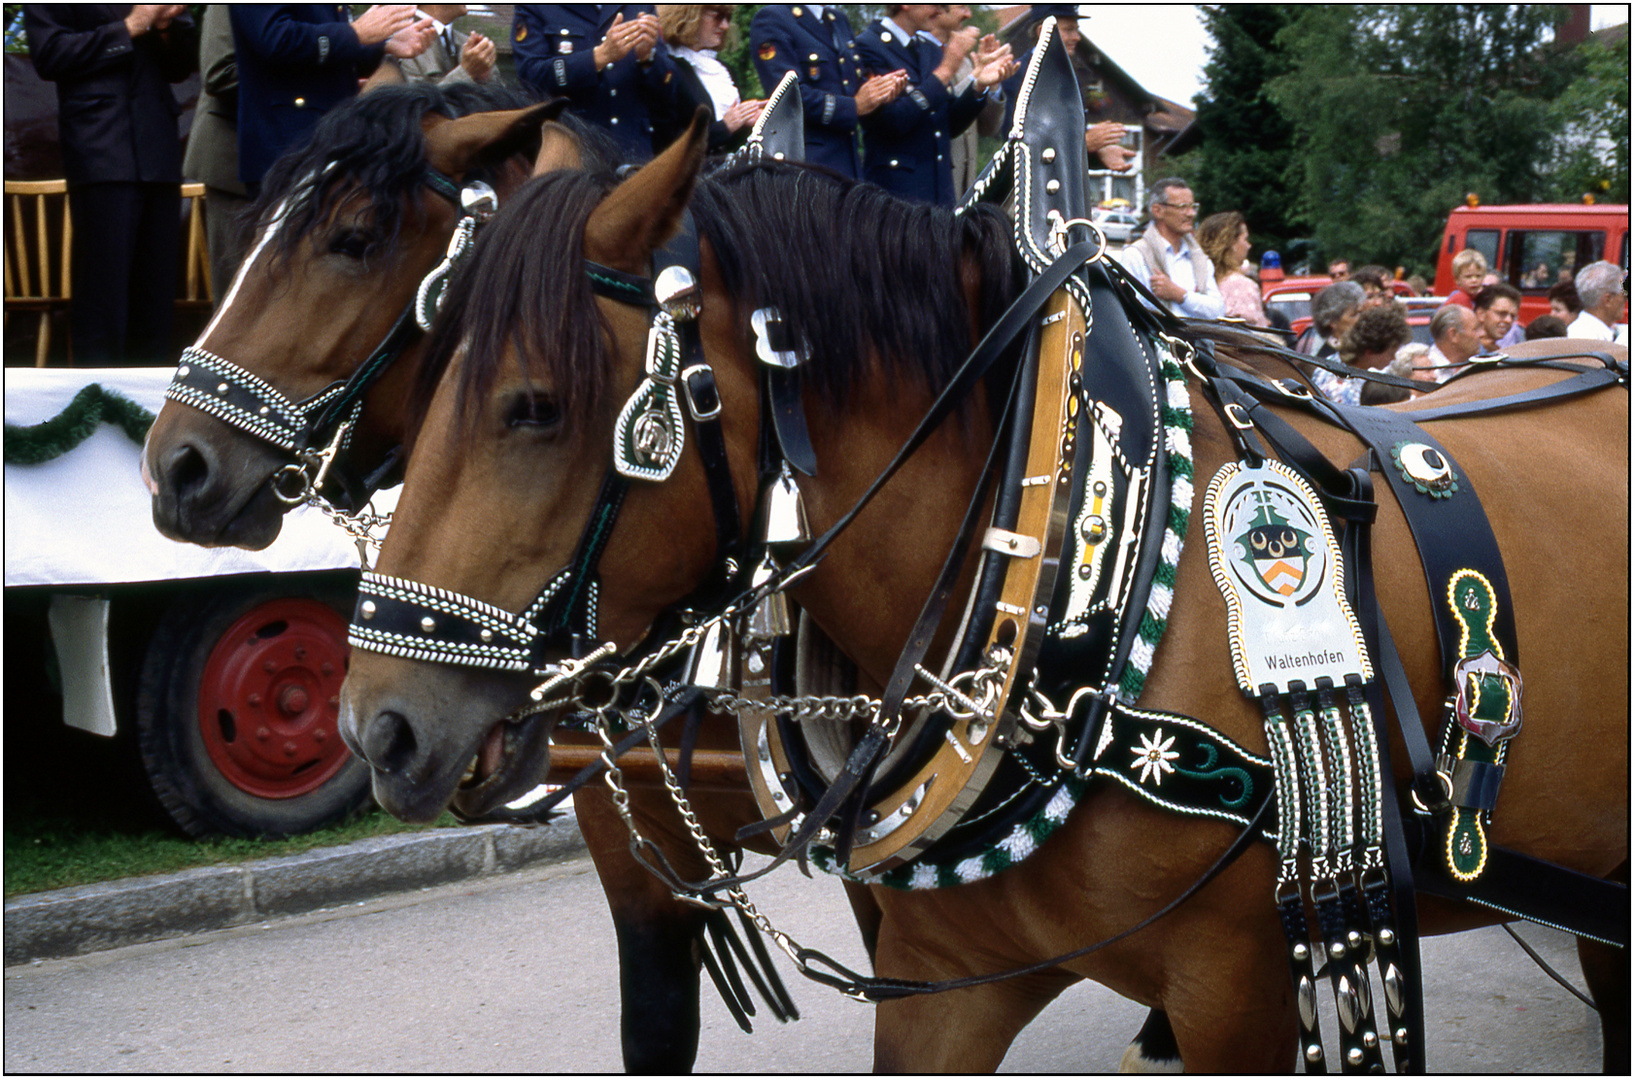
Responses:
[694,32]
[1369,344]
[1225,239]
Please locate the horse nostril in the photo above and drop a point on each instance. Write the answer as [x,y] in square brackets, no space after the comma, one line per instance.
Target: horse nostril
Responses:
[187,469]
[388,742]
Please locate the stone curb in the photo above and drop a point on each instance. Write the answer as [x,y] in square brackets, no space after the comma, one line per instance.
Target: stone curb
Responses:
[91,918]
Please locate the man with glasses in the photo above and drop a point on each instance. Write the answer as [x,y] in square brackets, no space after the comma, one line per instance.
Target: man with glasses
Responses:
[1167,258]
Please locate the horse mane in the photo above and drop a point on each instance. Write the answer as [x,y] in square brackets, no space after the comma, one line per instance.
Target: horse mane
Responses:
[858,273]
[822,249]
[374,144]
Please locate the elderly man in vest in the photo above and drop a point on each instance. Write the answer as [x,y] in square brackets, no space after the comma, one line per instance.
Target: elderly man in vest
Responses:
[1167,258]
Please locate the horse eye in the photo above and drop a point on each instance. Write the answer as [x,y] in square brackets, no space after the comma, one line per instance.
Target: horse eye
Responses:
[350,243]
[532,411]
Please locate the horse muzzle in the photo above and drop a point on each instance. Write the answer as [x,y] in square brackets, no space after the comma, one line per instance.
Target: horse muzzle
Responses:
[208,494]
[446,750]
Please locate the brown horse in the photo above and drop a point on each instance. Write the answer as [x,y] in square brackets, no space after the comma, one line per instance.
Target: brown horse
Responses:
[311,302]
[516,441]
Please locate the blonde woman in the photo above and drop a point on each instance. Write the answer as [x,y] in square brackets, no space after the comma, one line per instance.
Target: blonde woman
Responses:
[1225,239]
[694,32]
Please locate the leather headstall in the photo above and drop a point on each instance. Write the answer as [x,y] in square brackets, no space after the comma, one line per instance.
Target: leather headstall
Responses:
[318,429]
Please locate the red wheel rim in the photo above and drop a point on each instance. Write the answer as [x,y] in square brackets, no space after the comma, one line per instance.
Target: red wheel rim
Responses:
[269,701]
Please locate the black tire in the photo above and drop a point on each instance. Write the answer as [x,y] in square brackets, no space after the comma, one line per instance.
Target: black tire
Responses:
[235,708]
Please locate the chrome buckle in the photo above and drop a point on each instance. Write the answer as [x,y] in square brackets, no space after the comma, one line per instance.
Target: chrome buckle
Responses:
[1486,664]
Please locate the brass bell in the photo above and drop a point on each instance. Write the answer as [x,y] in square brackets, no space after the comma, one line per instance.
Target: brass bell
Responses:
[785,510]
[713,663]
[770,619]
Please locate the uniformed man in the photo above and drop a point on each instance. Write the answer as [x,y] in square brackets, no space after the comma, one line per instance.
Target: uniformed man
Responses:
[815,41]
[608,60]
[906,143]
[295,61]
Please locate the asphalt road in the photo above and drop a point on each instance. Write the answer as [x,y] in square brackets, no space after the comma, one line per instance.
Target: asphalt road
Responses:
[516,974]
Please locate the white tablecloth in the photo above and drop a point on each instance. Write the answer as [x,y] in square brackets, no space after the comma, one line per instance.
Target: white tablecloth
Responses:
[85,517]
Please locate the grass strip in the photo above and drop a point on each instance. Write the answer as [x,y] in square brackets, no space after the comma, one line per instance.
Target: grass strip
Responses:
[46,852]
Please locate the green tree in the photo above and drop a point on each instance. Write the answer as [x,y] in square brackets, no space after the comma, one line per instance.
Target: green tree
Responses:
[1592,118]
[1398,111]
[1245,156]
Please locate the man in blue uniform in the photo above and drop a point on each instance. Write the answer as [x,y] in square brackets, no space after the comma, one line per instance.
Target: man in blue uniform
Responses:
[296,61]
[608,60]
[815,41]
[907,142]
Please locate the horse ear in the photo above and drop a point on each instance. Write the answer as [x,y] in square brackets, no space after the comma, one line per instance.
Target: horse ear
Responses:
[645,210]
[455,147]
[387,74]
[558,149]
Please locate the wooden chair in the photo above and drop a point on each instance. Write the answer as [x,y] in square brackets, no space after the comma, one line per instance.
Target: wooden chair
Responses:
[198,292]
[34,281]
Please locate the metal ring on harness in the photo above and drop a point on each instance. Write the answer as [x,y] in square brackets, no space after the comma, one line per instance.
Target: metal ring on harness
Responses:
[295,474]
[1447,787]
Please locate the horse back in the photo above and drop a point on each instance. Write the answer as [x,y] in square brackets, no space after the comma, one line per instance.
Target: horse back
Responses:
[1553,480]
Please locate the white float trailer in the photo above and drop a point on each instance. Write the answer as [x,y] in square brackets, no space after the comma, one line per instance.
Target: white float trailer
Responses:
[225,662]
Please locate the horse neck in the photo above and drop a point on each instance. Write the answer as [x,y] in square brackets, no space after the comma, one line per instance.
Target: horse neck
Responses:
[868,592]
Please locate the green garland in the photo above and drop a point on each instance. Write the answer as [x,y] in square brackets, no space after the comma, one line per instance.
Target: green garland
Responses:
[91,406]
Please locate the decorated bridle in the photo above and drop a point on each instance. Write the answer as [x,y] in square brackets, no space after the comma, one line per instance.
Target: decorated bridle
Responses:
[317,429]
[406,618]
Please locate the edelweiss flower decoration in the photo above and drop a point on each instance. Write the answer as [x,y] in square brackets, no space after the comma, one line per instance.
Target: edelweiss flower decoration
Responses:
[1154,757]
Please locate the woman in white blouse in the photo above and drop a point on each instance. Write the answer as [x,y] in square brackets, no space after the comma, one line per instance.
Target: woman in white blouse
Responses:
[694,32]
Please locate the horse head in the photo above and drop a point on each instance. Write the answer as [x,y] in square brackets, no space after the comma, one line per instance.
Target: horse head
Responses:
[344,232]
[506,467]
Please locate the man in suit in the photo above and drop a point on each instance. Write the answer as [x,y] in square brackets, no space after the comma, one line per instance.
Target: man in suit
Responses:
[212,146]
[296,61]
[907,142]
[116,117]
[608,60]
[452,56]
[816,42]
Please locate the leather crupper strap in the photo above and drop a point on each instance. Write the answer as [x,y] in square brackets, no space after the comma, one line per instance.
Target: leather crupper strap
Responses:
[241,399]
[405,618]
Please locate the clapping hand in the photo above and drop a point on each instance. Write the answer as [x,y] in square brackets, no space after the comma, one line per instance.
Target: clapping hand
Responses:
[993,62]
[1105,141]
[743,113]
[880,90]
[477,57]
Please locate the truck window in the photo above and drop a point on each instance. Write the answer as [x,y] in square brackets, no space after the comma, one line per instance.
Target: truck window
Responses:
[1486,241]
[1536,259]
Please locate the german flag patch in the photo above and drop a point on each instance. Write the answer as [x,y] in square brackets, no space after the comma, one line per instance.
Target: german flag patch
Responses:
[522,30]
[768,51]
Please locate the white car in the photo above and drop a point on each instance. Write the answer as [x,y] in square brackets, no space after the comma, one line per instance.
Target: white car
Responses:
[1118,226]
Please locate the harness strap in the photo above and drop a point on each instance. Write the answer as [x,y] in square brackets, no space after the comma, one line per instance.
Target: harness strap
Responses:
[996,341]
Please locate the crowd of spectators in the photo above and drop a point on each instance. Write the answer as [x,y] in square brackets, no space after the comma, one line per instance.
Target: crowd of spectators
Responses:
[900,103]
